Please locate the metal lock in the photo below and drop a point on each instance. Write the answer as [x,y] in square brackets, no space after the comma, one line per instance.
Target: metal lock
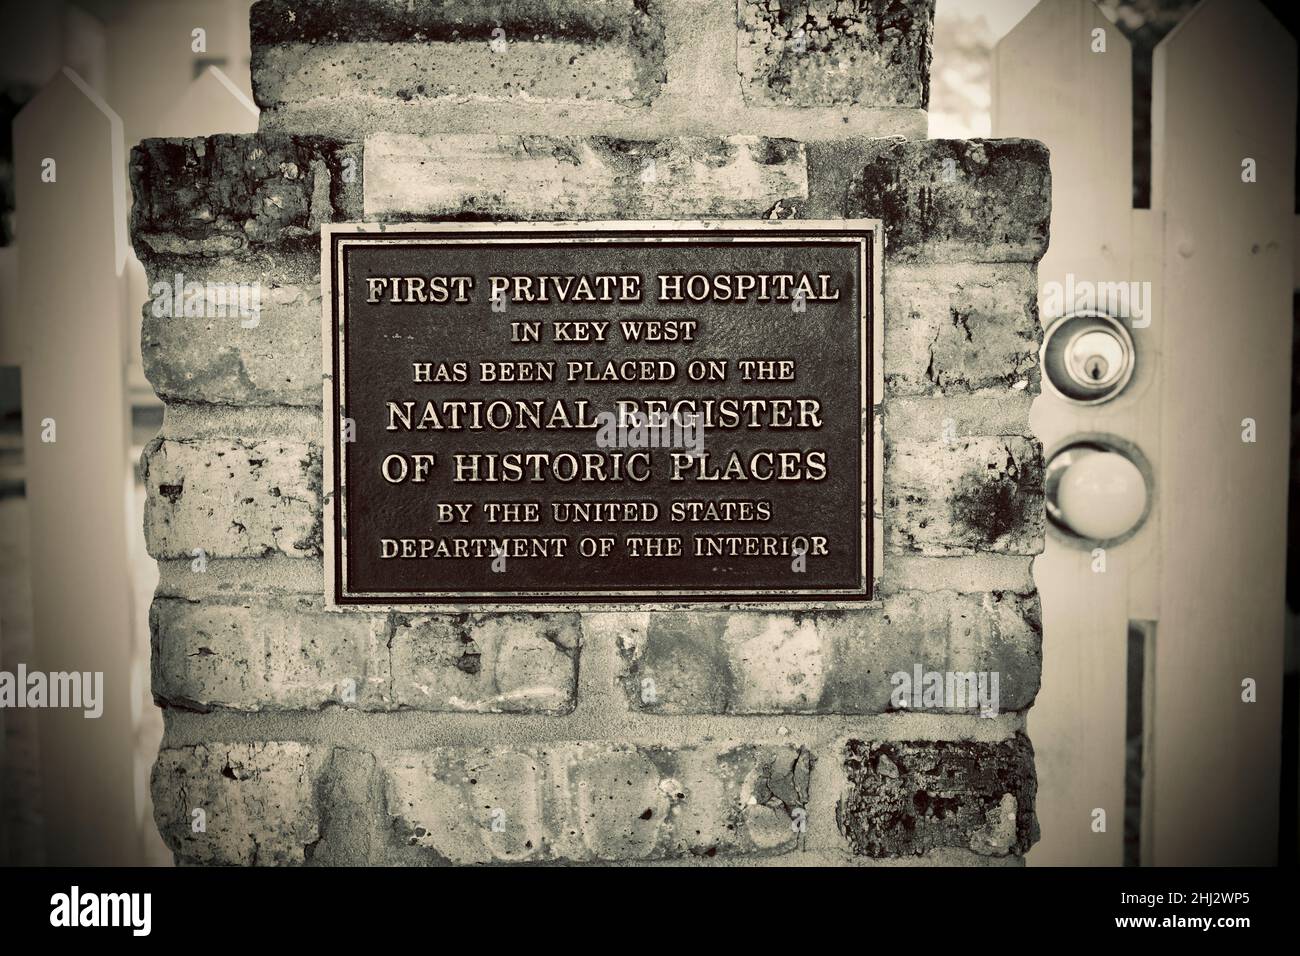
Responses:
[1087,357]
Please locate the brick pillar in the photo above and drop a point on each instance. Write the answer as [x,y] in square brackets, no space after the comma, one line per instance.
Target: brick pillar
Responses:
[312,735]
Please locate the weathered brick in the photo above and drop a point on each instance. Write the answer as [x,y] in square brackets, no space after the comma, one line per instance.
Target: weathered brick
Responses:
[252,655]
[828,662]
[430,177]
[490,662]
[965,496]
[978,200]
[836,53]
[354,54]
[255,654]
[272,358]
[257,801]
[963,327]
[906,798]
[598,801]
[231,193]
[231,498]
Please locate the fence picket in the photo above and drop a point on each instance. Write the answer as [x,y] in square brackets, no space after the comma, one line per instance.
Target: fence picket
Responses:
[1050,83]
[1225,91]
[211,104]
[71,246]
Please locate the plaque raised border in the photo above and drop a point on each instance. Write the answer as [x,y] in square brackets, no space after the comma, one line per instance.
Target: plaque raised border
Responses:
[335,238]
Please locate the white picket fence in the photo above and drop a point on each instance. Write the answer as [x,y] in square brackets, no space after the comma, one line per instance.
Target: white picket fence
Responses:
[1208,567]
[70,320]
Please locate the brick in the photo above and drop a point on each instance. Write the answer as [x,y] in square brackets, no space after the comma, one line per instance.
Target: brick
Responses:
[590,802]
[978,200]
[232,498]
[906,798]
[274,654]
[358,54]
[964,497]
[836,53]
[255,655]
[258,802]
[488,663]
[959,328]
[270,359]
[535,177]
[829,662]
[229,194]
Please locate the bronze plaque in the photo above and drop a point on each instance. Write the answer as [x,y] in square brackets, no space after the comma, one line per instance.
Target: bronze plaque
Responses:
[601,413]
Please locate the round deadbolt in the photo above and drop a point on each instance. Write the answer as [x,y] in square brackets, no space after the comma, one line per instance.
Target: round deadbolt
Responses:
[1088,357]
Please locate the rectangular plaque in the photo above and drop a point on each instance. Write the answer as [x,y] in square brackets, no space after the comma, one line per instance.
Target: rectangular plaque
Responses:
[600,413]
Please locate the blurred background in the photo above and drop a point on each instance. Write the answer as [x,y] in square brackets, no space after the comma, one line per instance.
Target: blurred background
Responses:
[138,56]
[136,60]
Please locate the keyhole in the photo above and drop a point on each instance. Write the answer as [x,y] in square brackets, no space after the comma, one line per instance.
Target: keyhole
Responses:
[1094,363]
